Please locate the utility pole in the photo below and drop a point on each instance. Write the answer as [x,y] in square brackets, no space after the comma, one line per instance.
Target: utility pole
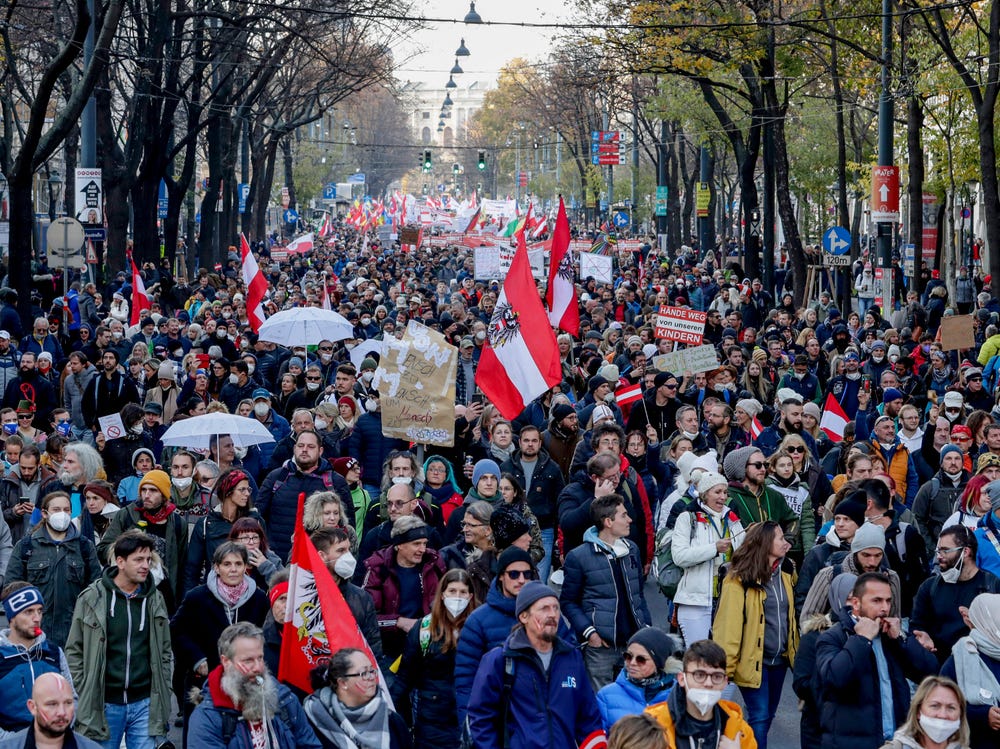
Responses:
[661,183]
[885,156]
[704,238]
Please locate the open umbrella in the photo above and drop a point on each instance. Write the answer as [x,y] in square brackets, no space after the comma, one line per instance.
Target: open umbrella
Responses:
[198,431]
[305,326]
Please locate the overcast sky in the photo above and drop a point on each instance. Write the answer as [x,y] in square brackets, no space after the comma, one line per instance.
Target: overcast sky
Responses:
[429,54]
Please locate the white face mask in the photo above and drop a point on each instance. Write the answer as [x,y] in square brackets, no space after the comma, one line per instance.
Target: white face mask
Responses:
[371,405]
[261,409]
[704,699]
[234,379]
[939,730]
[345,566]
[251,367]
[320,423]
[456,605]
[137,429]
[952,574]
[852,375]
[326,358]
[59,521]
[367,377]
[312,387]
[366,321]
[689,435]
[181,483]
[402,480]
[609,398]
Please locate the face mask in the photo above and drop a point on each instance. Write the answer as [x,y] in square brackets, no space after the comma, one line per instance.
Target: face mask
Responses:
[939,730]
[326,358]
[371,405]
[312,387]
[689,435]
[181,483]
[345,566]
[852,375]
[227,315]
[893,358]
[10,427]
[799,375]
[401,480]
[234,379]
[367,377]
[59,521]
[350,346]
[220,333]
[456,605]
[251,368]
[366,321]
[321,423]
[952,574]
[481,336]
[63,428]
[609,398]
[261,409]
[116,334]
[704,699]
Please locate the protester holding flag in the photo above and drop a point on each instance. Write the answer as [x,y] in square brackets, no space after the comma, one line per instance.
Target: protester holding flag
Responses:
[427,669]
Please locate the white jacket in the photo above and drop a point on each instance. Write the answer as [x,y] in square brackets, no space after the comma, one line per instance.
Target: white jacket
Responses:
[696,554]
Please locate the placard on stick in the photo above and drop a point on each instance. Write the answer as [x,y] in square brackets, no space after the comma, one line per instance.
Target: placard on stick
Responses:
[956,332]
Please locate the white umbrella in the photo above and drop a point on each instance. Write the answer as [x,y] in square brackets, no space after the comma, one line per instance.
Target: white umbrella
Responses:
[198,431]
[305,326]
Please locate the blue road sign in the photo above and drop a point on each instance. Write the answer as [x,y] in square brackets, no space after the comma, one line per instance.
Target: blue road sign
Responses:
[837,240]
[329,191]
[621,219]
[358,178]
[291,216]
[244,192]
[162,203]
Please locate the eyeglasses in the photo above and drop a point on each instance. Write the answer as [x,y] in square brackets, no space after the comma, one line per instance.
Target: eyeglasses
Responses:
[670,385]
[24,417]
[249,538]
[639,660]
[701,677]
[367,675]
[471,525]
[796,449]
[518,574]
[758,464]
[942,552]
[398,504]
[326,348]
[954,438]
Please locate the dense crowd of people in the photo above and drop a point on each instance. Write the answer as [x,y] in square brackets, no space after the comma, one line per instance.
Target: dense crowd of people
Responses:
[500,582]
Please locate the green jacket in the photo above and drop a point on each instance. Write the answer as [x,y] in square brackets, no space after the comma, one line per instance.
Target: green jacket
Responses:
[86,650]
[177,544]
[770,505]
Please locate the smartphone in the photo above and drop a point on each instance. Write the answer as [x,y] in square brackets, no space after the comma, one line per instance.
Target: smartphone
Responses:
[477,398]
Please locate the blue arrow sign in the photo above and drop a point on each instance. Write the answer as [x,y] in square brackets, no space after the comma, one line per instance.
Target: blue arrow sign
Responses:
[329,191]
[837,240]
[291,216]
[621,219]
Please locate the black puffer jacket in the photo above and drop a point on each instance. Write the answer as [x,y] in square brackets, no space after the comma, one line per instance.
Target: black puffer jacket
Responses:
[546,483]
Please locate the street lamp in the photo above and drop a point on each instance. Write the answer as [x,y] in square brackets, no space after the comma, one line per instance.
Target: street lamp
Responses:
[462,50]
[472,16]
[456,68]
[447,101]
[451,83]
[55,183]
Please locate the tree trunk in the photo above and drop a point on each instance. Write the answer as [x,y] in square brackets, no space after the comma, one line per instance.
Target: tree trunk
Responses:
[915,186]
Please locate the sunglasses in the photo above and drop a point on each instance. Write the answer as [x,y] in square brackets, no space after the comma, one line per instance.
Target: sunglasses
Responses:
[758,464]
[796,449]
[639,660]
[518,574]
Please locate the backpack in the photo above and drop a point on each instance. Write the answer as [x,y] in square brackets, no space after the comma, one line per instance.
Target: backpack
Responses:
[668,574]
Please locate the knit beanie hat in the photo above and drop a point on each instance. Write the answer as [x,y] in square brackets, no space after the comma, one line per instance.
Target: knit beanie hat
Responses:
[751,405]
[483,467]
[158,479]
[560,411]
[710,479]
[853,506]
[507,525]
[143,451]
[166,371]
[811,409]
[530,594]
[659,644]
[510,555]
[343,465]
[869,536]
[992,491]
[735,464]
[101,491]
[951,449]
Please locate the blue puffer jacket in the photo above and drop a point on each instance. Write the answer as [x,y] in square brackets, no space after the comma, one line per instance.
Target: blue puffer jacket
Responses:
[589,596]
[367,445]
[19,667]
[623,698]
[279,499]
[988,558]
[545,710]
[487,626]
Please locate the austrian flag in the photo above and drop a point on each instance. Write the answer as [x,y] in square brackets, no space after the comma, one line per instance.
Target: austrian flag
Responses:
[834,419]
[253,279]
[628,394]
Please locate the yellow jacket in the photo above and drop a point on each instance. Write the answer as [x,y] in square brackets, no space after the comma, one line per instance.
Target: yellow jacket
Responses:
[739,628]
[735,725]
[898,466]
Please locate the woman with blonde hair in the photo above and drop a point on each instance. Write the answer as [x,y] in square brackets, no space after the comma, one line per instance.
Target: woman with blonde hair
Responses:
[781,477]
[326,510]
[808,470]
[936,719]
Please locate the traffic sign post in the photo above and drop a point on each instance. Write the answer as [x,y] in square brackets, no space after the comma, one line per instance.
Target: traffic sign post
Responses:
[885,194]
[621,220]
[837,241]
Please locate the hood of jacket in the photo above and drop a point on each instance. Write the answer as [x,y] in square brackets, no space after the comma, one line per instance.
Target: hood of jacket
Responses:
[212,583]
[620,548]
[36,646]
[108,580]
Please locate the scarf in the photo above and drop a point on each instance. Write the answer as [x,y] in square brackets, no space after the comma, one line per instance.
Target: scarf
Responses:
[160,515]
[977,682]
[942,376]
[231,594]
[652,685]
[365,727]
[501,453]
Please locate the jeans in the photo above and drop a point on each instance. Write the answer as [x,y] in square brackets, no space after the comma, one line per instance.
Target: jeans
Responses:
[695,622]
[548,543]
[130,721]
[602,664]
[762,702]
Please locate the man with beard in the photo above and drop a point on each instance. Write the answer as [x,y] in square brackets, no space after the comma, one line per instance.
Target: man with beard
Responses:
[723,436]
[242,703]
[511,680]
[108,393]
[52,708]
[119,651]
[659,407]
[28,385]
[749,498]
[21,489]
[788,422]
[560,439]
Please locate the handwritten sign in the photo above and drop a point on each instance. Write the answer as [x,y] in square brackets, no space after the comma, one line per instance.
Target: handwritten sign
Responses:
[416,384]
[598,267]
[681,325]
[491,263]
[693,360]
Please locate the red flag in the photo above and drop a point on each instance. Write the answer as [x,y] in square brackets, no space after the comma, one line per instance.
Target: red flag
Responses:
[628,394]
[253,279]
[564,309]
[520,360]
[756,428]
[318,621]
[140,299]
[834,419]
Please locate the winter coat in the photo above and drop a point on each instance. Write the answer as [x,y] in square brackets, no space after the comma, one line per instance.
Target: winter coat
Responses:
[209,533]
[815,560]
[288,725]
[988,536]
[693,550]
[86,651]
[202,616]
[19,667]
[771,505]
[279,499]
[590,594]
[935,502]
[553,709]
[546,483]
[622,697]
[60,570]
[739,626]
[736,724]
[279,427]
[848,684]
[74,386]
[818,600]
[382,583]
[104,396]
[802,678]
[367,445]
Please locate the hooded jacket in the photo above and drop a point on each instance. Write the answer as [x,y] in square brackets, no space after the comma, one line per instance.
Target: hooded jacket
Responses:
[732,723]
[19,667]
[693,549]
[817,600]
[622,697]
[86,652]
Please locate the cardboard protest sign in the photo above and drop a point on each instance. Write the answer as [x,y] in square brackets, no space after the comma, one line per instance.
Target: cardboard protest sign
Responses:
[681,325]
[956,332]
[693,360]
[416,385]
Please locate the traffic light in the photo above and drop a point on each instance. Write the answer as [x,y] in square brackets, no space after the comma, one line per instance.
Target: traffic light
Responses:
[427,160]
[482,161]
[456,168]
[420,160]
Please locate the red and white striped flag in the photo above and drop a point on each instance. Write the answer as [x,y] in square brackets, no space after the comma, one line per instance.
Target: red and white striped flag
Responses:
[755,428]
[253,279]
[326,294]
[628,394]
[564,309]
[834,419]
[140,299]
[520,360]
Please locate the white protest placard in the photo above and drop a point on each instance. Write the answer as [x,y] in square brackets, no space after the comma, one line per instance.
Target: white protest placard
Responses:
[693,360]
[597,267]
[112,426]
[89,196]
[681,325]
[486,263]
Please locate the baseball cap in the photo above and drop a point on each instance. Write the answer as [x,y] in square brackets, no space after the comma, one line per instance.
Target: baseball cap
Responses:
[261,393]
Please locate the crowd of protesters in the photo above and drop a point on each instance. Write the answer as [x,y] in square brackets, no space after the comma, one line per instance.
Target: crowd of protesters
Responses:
[501,582]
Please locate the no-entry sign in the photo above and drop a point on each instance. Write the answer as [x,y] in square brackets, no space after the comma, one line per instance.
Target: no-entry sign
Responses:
[681,325]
